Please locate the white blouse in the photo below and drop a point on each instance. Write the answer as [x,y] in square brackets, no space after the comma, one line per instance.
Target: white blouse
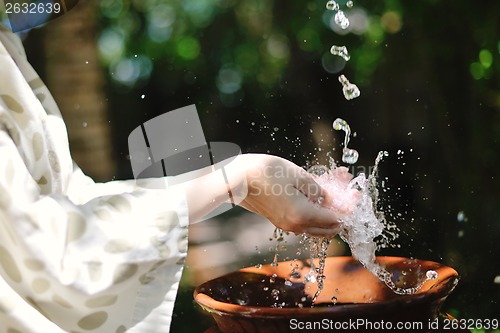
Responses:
[76,256]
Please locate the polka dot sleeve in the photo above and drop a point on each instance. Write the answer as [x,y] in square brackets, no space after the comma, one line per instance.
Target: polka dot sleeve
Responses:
[76,256]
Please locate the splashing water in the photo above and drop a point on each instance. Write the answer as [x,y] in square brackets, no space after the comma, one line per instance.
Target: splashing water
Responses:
[349,156]
[356,201]
[350,90]
[363,227]
[340,51]
[317,247]
[349,4]
[341,20]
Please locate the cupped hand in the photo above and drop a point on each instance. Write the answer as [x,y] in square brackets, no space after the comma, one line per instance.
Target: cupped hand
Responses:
[339,195]
[288,196]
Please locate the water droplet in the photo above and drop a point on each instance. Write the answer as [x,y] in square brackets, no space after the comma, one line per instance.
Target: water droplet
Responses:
[288,283]
[497,279]
[265,288]
[259,266]
[272,279]
[85,124]
[350,156]
[461,216]
[341,125]
[349,4]
[332,5]
[318,170]
[276,129]
[242,301]
[340,51]
[431,275]
[143,96]
[275,293]
[350,90]
[341,20]
[334,300]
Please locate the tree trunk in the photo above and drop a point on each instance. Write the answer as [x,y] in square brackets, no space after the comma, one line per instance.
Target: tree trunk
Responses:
[75,78]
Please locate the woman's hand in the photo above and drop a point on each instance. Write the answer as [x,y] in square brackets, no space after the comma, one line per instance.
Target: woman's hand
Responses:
[341,197]
[288,196]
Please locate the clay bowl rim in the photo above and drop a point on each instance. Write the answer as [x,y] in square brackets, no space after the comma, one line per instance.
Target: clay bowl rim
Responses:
[438,291]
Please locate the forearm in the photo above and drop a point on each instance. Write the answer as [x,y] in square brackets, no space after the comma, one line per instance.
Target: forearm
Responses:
[209,188]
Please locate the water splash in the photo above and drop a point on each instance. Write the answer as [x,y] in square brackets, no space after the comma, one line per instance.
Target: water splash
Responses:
[386,277]
[350,90]
[340,51]
[341,20]
[349,156]
[349,4]
[356,201]
[318,170]
[318,247]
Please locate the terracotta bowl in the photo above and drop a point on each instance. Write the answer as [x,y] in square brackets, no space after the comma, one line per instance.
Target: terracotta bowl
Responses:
[248,301]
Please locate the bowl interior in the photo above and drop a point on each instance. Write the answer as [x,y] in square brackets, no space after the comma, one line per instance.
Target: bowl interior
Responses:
[347,282]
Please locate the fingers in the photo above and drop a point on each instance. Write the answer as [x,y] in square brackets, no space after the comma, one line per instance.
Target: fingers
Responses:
[342,174]
[311,218]
[309,187]
[322,232]
[290,198]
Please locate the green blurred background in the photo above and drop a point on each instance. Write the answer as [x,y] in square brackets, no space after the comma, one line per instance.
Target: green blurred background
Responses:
[261,75]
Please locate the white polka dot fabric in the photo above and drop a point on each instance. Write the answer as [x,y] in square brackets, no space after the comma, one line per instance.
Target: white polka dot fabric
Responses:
[76,256]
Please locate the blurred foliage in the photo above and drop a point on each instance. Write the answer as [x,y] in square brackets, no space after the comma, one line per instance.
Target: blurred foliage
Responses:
[261,74]
[238,42]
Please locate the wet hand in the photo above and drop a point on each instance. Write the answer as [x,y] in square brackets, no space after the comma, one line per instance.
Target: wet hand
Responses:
[339,195]
[288,196]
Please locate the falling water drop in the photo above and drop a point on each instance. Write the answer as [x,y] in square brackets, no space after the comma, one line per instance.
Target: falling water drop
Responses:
[341,125]
[350,156]
[461,216]
[431,275]
[332,5]
[349,4]
[340,51]
[350,90]
[341,20]
[318,170]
